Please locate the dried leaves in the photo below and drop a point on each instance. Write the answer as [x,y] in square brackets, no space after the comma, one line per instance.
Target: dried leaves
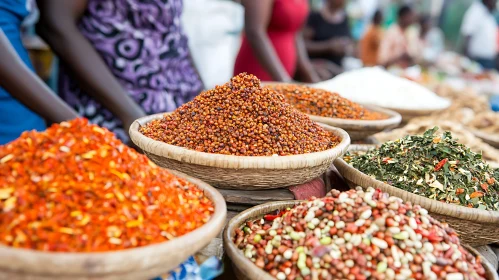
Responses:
[433,166]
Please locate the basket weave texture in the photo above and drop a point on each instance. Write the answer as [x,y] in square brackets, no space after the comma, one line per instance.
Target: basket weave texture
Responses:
[247,270]
[475,227]
[138,263]
[240,172]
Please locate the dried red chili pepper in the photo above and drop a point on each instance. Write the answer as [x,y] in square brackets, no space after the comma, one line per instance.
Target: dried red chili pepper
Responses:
[441,164]
[76,188]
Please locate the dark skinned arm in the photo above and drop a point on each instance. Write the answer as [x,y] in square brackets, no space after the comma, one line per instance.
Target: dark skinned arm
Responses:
[25,86]
[304,68]
[57,26]
[257,15]
[333,46]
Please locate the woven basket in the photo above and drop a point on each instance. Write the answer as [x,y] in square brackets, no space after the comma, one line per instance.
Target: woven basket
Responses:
[239,172]
[476,227]
[408,115]
[361,129]
[139,263]
[486,137]
[245,269]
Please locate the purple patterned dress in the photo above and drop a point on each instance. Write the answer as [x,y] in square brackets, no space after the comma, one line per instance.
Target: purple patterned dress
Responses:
[143,44]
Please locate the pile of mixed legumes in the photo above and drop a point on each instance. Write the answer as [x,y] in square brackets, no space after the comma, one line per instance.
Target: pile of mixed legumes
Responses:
[76,188]
[356,235]
[435,166]
[323,103]
[241,118]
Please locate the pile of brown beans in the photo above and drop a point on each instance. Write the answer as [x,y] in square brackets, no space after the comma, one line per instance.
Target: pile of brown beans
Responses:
[356,235]
[241,118]
[323,103]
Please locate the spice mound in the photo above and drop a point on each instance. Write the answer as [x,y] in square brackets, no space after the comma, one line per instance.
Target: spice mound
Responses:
[356,235]
[323,103]
[241,118]
[434,166]
[76,188]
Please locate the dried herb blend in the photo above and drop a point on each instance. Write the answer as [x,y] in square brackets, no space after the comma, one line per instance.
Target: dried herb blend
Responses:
[434,166]
[76,188]
[323,103]
[241,118]
[356,235]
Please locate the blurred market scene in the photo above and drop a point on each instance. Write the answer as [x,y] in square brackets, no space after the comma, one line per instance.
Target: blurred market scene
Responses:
[249,139]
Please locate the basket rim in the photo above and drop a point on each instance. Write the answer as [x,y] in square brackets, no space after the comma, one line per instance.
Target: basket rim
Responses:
[457,211]
[393,119]
[185,155]
[74,261]
[254,272]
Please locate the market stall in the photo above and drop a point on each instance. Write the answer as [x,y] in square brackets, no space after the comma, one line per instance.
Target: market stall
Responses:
[77,203]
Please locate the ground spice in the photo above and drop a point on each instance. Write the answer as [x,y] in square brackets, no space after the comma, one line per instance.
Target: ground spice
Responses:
[357,235]
[434,166]
[241,118]
[76,188]
[323,103]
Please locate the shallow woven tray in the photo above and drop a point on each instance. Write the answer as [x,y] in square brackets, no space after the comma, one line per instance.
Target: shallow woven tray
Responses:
[139,263]
[476,227]
[361,129]
[486,137]
[408,115]
[239,172]
[244,269]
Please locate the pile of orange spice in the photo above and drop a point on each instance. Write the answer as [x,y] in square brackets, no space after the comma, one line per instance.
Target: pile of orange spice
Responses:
[323,103]
[76,188]
[241,118]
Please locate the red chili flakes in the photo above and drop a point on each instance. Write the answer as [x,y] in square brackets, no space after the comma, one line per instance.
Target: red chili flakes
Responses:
[323,103]
[76,188]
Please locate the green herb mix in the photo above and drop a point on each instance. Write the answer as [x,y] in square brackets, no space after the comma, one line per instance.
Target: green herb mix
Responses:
[434,166]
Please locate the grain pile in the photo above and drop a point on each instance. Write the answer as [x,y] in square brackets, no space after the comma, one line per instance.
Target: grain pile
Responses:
[241,118]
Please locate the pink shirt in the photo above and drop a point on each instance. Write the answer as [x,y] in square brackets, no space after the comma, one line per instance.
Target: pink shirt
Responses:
[393,45]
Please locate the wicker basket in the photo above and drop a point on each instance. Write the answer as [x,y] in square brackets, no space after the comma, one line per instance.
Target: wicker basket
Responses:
[240,172]
[361,129]
[476,227]
[138,263]
[247,270]
[408,115]
[486,137]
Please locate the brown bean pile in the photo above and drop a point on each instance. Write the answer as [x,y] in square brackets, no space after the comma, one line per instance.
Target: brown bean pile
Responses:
[241,118]
[356,235]
[323,103]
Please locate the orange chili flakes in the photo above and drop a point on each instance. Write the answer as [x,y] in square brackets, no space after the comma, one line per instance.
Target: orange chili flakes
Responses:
[76,188]
[323,103]
[241,118]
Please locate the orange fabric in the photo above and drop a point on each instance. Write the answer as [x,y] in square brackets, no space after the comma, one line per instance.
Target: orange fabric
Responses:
[369,45]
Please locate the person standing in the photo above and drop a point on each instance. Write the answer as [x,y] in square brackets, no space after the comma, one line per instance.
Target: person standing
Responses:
[369,44]
[432,40]
[328,33]
[479,29]
[121,59]
[394,47]
[272,47]
[25,101]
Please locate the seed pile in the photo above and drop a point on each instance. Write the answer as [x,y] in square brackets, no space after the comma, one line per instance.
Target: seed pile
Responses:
[435,166]
[76,188]
[241,118]
[356,235]
[323,103]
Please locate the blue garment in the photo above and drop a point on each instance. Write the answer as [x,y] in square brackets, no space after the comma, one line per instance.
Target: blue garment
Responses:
[14,116]
[486,63]
[190,270]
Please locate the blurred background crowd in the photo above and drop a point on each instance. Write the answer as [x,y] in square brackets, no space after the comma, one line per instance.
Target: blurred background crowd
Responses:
[113,61]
